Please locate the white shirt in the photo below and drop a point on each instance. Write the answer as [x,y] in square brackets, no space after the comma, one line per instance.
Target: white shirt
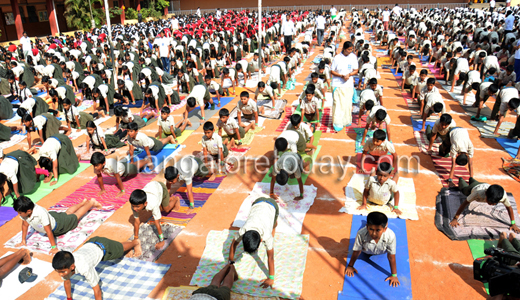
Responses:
[187,167]
[460,142]
[198,93]
[333,11]
[154,195]
[213,144]
[40,218]
[229,127]
[261,220]
[9,167]
[438,130]
[26,43]
[86,259]
[387,242]
[292,138]
[50,148]
[478,193]
[164,44]
[165,124]
[509,22]
[288,28]
[247,109]
[380,150]
[112,167]
[386,16]
[344,65]
[380,194]
[320,22]
[141,141]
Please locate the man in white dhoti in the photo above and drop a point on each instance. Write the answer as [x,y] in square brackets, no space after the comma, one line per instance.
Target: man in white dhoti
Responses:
[344,68]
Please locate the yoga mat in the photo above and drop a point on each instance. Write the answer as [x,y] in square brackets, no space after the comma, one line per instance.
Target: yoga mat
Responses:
[512,168]
[15,139]
[487,128]
[44,189]
[371,162]
[369,282]
[290,256]
[269,111]
[511,146]
[248,138]
[11,287]
[161,157]
[395,73]
[149,236]
[185,134]
[184,293]
[291,213]
[477,247]
[108,199]
[359,137]
[6,214]
[121,279]
[202,190]
[39,242]
[137,104]
[417,125]
[286,120]
[407,199]
[478,221]
[443,166]
[423,143]
[195,115]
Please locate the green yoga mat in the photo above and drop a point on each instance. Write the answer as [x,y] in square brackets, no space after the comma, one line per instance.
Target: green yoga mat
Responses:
[299,112]
[477,250]
[44,189]
[294,181]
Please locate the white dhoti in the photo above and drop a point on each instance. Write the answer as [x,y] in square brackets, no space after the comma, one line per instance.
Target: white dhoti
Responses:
[342,107]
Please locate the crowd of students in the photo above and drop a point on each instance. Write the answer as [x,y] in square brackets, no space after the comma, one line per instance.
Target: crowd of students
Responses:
[206,57]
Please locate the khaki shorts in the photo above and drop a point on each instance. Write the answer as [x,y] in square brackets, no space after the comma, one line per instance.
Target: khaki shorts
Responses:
[64,222]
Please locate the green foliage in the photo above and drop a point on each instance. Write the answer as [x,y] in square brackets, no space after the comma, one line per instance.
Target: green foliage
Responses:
[161,4]
[131,14]
[151,13]
[115,11]
[78,16]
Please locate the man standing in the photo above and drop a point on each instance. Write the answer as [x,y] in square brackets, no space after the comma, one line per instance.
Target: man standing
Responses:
[164,51]
[198,12]
[175,24]
[491,6]
[386,17]
[397,10]
[25,41]
[333,12]
[287,32]
[509,23]
[320,27]
[139,17]
[344,67]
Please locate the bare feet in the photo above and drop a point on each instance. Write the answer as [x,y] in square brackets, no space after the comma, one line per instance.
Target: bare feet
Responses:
[96,204]
[188,123]
[138,251]
[212,178]
[511,237]
[502,237]
[27,257]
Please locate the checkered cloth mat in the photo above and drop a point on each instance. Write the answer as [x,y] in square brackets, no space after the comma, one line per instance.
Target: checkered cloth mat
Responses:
[423,142]
[289,110]
[124,279]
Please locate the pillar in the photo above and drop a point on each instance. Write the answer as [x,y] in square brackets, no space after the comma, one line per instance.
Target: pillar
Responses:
[166,8]
[122,5]
[17,18]
[51,13]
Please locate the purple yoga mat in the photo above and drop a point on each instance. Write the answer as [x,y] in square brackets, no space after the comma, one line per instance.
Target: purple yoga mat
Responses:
[6,214]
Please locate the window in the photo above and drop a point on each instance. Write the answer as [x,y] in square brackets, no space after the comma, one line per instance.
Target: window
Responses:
[32,14]
[22,15]
[115,3]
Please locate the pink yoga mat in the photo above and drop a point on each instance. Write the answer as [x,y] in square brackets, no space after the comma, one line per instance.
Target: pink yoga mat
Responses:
[108,199]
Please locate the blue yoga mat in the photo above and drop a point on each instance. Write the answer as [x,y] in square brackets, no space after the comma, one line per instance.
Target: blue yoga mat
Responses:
[394,71]
[417,125]
[381,50]
[138,103]
[223,102]
[43,93]
[511,146]
[425,58]
[369,282]
[317,60]
[160,156]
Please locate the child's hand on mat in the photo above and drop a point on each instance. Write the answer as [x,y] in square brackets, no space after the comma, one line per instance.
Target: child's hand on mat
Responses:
[514,228]
[78,130]
[349,271]
[364,206]
[397,211]
[121,193]
[101,192]
[53,183]
[54,251]
[298,198]
[363,143]
[21,244]
[267,283]
[159,245]
[454,223]
[394,282]
[274,196]
[47,179]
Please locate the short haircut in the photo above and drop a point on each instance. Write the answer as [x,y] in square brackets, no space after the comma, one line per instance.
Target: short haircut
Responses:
[274,85]
[191,102]
[223,112]
[462,159]
[385,167]
[412,68]
[165,110]
[495,193]
[493,89]
[430,80]
[133,126]
[208,126]
[296,119]
[261,84]
[377,219]
[170,173]
[97,158]
[513,103]
[282,178]
[244,94]
[251,241]
[423,72]
[23,204]
[281,144]
[314,75]
[62,260]
[475,85]
[138,197]
[437,107]
[369,104]
[379,135]
[463,76]
[380,114]
[372,81]
[445,119]
[45,163]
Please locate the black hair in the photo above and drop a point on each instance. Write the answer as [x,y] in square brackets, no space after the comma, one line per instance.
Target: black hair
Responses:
[475,85]
[281,144]
[45,163]
[191,102]
[372,81]
[261,84]
[380,114]
[23,204]
[314,75]
[513,103]
[119,111]
[21,112]
[223,112]
[208,126]
[251,240]
[384,167]
[430,80]
[62,260]
[493,88]
[170,173]
[377,219]
[423,72]
[137,197]
[369,104]
[274,85]
[133,126]
[165,110]
[462,159]
[97,158]
[244,94]
[495,193]
[463,76]
[296,119]
[379,135]
[282,177]
[412,68]
[437,107]
[445,119]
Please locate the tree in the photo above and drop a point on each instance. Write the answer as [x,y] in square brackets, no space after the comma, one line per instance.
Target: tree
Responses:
[78,13]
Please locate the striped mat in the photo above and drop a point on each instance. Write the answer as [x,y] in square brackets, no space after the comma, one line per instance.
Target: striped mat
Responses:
[443,167]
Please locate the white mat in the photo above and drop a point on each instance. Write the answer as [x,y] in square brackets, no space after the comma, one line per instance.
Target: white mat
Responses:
[292,213]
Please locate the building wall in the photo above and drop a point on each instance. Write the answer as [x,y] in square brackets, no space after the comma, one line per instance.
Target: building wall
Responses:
[211,4]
